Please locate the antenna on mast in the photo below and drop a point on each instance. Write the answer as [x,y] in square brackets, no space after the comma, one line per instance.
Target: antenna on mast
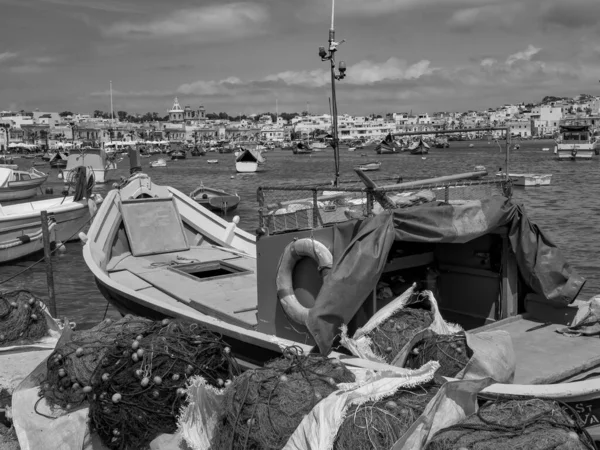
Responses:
[330,56]
[112,114]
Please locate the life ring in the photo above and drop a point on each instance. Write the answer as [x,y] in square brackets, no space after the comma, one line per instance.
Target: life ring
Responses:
[574,152]
[293,253]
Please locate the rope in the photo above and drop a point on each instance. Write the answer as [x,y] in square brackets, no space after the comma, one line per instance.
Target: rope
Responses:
[42,259]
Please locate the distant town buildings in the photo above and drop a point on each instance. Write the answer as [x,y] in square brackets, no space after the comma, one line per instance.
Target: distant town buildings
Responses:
[193,125]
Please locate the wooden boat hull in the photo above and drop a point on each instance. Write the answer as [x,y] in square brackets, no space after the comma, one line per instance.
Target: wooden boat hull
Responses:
[21,251]
[246,167]
[10,194]
[101,176]
[175,157]
[530,179]
[369,167]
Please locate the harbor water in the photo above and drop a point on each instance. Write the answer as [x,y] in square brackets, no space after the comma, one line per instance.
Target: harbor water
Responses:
[568,210]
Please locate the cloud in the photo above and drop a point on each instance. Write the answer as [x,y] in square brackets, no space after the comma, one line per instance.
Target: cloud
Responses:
[317,9]
[395,83]
[6,56]
[502,15]
[113,6]
[572,14]
[213,23]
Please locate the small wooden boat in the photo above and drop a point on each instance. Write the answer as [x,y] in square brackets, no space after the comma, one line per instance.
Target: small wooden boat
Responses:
[369,166]
[215,199]
[58,160]
[178,154]
[528,179]
[20,184]
[248,161]
[198,151]
[419,148]
[6,159]
[387,145]
[159,163]
[46,156]
[101,163]
[212,161]
[302,148]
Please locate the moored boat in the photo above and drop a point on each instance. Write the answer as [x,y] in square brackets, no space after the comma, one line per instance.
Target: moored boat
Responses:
[212,161]
[178,154]
[387,145]
[528,179]
[370,166]
[215,199]
[159,163]
[198,151]
[248,161]
[20,184]
[575,141]
[58,160]
[96,159]
[419,148]
[302,148]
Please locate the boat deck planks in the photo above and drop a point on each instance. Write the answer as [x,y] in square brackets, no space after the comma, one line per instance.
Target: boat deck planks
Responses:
[545,356]
[218,297]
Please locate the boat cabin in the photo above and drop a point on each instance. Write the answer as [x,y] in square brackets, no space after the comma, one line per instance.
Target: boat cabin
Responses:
[575,133]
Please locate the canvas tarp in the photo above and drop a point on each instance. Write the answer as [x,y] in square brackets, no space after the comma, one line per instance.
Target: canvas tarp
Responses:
[360,249]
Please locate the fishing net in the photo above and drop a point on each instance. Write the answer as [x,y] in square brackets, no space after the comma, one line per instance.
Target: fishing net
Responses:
[75,358]
[379,424]
[393,334]
[531,424]
[22,318]
[450,350]
[140,386]
[263,407]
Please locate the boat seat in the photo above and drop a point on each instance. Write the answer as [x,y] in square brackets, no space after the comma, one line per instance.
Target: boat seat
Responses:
[1,211]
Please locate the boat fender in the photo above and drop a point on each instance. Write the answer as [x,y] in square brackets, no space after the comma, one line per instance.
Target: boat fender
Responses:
[574,152]
[24,239]
[83,237]
[293,253]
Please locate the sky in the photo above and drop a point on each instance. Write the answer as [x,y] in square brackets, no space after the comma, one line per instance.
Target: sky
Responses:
[244,57]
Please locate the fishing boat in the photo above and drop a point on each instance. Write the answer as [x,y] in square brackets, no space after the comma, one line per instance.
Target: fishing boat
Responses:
[20,229]
[58,160]
[442,142]
[387,145]
[212,161]
[178,154]
[528,179]
[102,164]
[20,184]
[215,199]
[158,163]
[198,151]
[6,159]
[302,148]
[490,267]
[419,148]
[575,142]
[369,166]
[248,161]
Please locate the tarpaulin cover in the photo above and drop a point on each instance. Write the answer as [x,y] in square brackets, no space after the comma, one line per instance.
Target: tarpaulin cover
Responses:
[361,248]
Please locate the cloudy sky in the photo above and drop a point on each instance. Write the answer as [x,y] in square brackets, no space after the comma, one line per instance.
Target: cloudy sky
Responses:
[402,55]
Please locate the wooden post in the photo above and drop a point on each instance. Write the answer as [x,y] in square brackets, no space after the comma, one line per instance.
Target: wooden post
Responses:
[48,260]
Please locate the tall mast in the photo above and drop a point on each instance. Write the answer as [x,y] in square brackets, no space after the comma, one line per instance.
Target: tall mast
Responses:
[330,56]
[112,115]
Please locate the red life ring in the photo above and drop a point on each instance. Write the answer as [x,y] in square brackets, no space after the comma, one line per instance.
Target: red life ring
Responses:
[293,253]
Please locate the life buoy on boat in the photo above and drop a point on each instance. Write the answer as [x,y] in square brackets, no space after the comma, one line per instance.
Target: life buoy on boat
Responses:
[293,253]
[574,153]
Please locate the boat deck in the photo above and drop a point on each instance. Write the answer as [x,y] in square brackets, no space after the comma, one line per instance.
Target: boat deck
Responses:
[545,356]
[214,282]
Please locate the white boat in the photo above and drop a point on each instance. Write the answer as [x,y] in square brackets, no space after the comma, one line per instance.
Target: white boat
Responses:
[159,163]
[248,161]
[20,228]
[546,149]
[20,184]
[575,142]
[369,166]
[212,161]
[95,158]
[528,179]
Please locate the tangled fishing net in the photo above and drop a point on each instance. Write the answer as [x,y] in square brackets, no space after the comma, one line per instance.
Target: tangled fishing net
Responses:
[531,424]
[22,318]
[392,335]
[264,406]
[379,424]
[139,388]
[71,366]
[450,350]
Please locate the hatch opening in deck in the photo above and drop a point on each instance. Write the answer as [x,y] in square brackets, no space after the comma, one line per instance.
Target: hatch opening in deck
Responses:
[210,270]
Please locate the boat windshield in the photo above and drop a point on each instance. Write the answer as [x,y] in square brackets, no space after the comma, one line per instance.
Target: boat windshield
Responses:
[575,136]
